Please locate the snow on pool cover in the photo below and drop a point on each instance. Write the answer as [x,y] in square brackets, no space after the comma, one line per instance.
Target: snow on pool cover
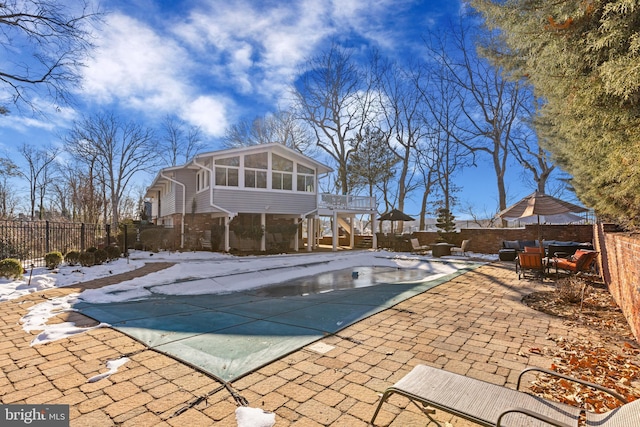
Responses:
[230,335]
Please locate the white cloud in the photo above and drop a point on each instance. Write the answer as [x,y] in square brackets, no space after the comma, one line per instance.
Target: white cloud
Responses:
[207,112]
[208,55]
[49,118]
[132,63]
[251,47]
[143,70]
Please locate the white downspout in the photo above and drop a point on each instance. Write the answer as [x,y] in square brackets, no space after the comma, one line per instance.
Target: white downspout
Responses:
[184,206]
[230,215]
[336,236]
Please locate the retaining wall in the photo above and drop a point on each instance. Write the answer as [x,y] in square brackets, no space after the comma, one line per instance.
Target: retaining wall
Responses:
[620,267]
[489,240]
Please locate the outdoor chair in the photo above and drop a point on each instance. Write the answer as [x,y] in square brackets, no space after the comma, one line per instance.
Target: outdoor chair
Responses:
[562,251]
[462,250]
[416,248]
[581,261]
[530,264]
[489,404]
[533,250]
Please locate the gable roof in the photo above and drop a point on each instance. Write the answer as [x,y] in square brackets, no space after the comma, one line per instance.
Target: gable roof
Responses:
[273,147]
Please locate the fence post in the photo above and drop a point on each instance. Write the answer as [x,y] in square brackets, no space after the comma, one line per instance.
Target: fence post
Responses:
[82,237]
[46,238]
[126,241]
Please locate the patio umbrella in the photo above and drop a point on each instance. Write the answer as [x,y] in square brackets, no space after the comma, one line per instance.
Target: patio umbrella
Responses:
[539,204]
[394,215]
[565,218]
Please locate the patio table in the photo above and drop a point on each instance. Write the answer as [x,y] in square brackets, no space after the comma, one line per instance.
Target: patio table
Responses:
[441,249]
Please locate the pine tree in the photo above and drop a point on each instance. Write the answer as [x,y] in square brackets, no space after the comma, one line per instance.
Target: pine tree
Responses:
[445,223]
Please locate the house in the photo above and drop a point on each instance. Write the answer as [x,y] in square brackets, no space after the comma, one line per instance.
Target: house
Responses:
[261,197]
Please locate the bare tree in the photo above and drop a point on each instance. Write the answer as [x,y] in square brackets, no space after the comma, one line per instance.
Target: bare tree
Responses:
[38,173]
[445,154]
[426,163]
[333,97]
[8,196]
[529,152]
[78,195]
[281,127]
[491,104]
[45,43]
[180,141]
[119,150]
[402,115]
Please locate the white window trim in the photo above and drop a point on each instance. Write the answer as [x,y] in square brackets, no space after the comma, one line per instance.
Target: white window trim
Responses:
[203,180]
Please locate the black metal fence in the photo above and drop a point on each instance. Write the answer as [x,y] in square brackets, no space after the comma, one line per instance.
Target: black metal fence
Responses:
[29,241]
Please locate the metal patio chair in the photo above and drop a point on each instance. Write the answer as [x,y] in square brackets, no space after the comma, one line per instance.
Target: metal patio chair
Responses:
[580,262]
[530,264]
[493,405]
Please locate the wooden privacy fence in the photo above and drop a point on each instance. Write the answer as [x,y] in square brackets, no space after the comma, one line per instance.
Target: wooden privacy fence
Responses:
[29,241]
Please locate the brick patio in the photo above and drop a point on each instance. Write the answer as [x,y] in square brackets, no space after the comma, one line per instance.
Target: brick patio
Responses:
[474,325]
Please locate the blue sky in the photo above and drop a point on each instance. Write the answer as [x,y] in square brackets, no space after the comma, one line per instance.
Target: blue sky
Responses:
[212,63]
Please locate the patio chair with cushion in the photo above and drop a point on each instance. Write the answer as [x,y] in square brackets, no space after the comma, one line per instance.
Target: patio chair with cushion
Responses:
[462,250]
[581,261]
[493,405]
[416,248]
[530,265]
[533,250]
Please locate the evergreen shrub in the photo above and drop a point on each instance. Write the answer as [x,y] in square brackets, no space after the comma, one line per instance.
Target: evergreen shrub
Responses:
[113,252]
[87,259]
[11,268]
[100,256]
[72,258]
[53,260]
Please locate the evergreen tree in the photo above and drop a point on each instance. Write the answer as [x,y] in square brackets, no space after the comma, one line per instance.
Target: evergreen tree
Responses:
[373,164]
[582,58]
[445,223]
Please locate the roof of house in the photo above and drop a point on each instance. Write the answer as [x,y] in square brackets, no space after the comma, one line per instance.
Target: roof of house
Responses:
[273,147]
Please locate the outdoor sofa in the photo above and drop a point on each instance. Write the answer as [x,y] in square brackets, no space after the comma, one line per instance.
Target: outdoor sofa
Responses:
[510,248]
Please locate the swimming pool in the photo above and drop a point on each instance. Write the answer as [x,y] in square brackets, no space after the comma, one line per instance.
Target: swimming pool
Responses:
[230,335]
[351,278]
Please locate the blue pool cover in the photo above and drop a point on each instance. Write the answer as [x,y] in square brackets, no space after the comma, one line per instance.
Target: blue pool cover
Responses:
[231,335]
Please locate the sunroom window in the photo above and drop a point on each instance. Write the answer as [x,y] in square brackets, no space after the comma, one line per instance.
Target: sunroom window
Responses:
[305,179]
[282,173]
[202,180]
[255,170]
[227,171]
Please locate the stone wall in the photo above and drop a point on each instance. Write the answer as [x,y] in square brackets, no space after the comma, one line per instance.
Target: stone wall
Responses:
[620,267]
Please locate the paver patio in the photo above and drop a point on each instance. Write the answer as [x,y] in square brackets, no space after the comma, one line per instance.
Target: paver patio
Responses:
[475,325]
